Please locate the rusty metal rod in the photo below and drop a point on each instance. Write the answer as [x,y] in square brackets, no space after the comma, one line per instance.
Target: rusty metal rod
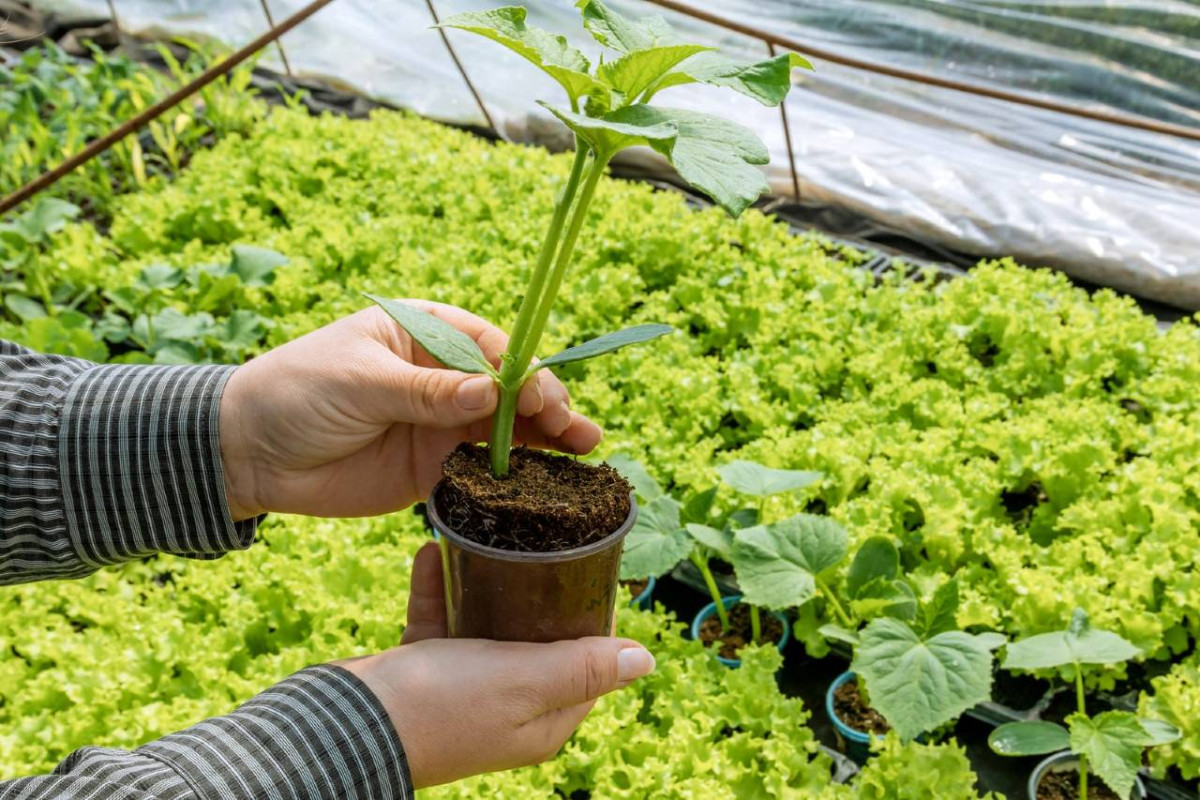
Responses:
[461,70]
[287,67]
[787,138]
[1115,118]
[153,112]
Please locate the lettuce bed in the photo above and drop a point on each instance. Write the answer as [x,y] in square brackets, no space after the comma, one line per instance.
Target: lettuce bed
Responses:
[1005,428]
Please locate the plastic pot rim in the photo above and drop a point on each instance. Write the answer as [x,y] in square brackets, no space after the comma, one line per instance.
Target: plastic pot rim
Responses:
[1067,757]
[729,601]
[551,556]
[850,734]
[644,595]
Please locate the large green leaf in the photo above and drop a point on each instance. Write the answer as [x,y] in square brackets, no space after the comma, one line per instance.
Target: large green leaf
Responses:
[1160,732]
[754,479]
[1029,738]
[1079,644]
[884,597]
[877,557]
[920,684]
[634,72]
[621,33]
[941,612]
[551,52]
[446,343]
[643,482]
[717,156]
[657,542]
[1112,743]
[715,539]
[612,133]
[603,344]
[767,81]
[48,215]
[777,564]
[26,308]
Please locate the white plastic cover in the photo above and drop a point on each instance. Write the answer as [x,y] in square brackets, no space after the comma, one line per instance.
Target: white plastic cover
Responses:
[1110,205]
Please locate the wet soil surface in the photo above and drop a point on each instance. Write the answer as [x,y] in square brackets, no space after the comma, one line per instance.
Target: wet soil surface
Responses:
[1065,786]
[734,639]
[850,708]
[545,503]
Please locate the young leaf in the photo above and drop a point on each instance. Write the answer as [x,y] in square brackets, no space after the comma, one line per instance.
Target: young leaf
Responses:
[608,135]
[719,541]
[621,33]
[941,612]
[1029,739]
[1112,743]
[634,72]
[158,276]
[754,479]
[920,684]
[48,215]
[715,155]
[1079,644]
[699,505]
[603,344]
[839,634]
[446,343]
[767,81]
[550,52]
[992,640]
[886,598]
[256,265]
[777,564]
[657,542]
[26,308]
[742,518]
[1160,732]
[876,558]
[643,482]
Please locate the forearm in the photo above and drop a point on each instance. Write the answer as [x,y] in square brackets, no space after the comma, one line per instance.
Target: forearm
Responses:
[101,464]
[320,734]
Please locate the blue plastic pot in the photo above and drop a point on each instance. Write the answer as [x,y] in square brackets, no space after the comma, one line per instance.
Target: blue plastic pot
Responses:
[855,744]
[729,602]
[644,599]
[1069,762]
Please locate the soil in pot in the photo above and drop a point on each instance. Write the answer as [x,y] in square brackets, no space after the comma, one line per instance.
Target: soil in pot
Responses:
[730,641]
[1065,786]
[545,503]
[850,708]
[636,587]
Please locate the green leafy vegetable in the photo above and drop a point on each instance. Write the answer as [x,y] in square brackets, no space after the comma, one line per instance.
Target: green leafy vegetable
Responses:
[756,480]
[1079,644]
[1029,738]
[657,542]
[603,344]
[443,341]
[778,564]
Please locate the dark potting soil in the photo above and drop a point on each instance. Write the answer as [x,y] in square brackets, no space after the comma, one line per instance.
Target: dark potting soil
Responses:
[636,587]
[850,708]
[1065,786]
[739,633]
[545,503]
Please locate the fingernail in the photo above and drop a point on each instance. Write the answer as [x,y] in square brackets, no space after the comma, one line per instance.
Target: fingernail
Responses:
[475,393]
[634,663]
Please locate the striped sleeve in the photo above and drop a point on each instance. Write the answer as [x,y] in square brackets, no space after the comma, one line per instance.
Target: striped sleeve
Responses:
[319,735]
[101,464]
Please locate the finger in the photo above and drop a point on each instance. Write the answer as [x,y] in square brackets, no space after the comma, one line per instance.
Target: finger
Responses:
[555,416]
[545,736]
[580,437]
[531,401]
[440,398]
[574,672]
[426,598]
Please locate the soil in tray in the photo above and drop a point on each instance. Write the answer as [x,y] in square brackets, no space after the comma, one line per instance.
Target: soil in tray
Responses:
[1065,786]
[739,633]
[545,503]
[848,705]
[636,587]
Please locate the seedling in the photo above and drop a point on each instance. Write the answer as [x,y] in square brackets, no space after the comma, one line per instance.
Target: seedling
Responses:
[609,110]
[1111,743]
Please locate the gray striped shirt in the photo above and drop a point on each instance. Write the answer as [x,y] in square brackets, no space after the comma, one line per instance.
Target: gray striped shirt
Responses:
[101,464]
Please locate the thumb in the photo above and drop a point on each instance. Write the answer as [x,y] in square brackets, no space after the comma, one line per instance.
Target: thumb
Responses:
[442,398]
[581,670]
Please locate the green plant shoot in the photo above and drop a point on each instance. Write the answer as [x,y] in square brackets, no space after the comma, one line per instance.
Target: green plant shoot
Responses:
[609,110]
[1111,743]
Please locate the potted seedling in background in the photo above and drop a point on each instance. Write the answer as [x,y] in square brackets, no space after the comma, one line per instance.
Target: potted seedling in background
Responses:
[1109,745]
[531,542]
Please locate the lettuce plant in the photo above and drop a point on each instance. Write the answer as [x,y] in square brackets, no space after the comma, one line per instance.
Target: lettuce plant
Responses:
[1110,743]
[609,111]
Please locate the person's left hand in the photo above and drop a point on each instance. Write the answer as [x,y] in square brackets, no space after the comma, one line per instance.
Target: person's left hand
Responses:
[355,419]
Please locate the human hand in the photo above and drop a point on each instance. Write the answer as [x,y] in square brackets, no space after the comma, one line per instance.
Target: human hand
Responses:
[355,419]
[466,706]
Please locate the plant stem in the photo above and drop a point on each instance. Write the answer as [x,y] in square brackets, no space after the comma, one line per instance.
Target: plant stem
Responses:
[842,616]
[755,625]
[511,372]
[702,564]
[1080,701]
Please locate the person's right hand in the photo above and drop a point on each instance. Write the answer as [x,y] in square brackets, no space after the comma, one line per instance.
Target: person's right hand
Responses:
[466,706]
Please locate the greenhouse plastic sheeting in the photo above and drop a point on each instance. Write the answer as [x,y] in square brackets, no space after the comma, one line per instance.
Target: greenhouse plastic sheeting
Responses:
[1107,204]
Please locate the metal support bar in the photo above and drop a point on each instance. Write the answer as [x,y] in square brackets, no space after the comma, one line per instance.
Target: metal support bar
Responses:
[153,112]
[1113,117]
[787,138]
[116,21]
[461,71]
[287,67]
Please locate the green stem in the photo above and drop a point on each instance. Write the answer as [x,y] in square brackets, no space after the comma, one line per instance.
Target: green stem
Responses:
[512,372]
[842,616]
[1081,702]
[755,625]
[711,582]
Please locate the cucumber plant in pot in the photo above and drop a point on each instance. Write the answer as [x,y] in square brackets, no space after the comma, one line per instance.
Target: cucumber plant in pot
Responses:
[1109,744]
[532,542]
